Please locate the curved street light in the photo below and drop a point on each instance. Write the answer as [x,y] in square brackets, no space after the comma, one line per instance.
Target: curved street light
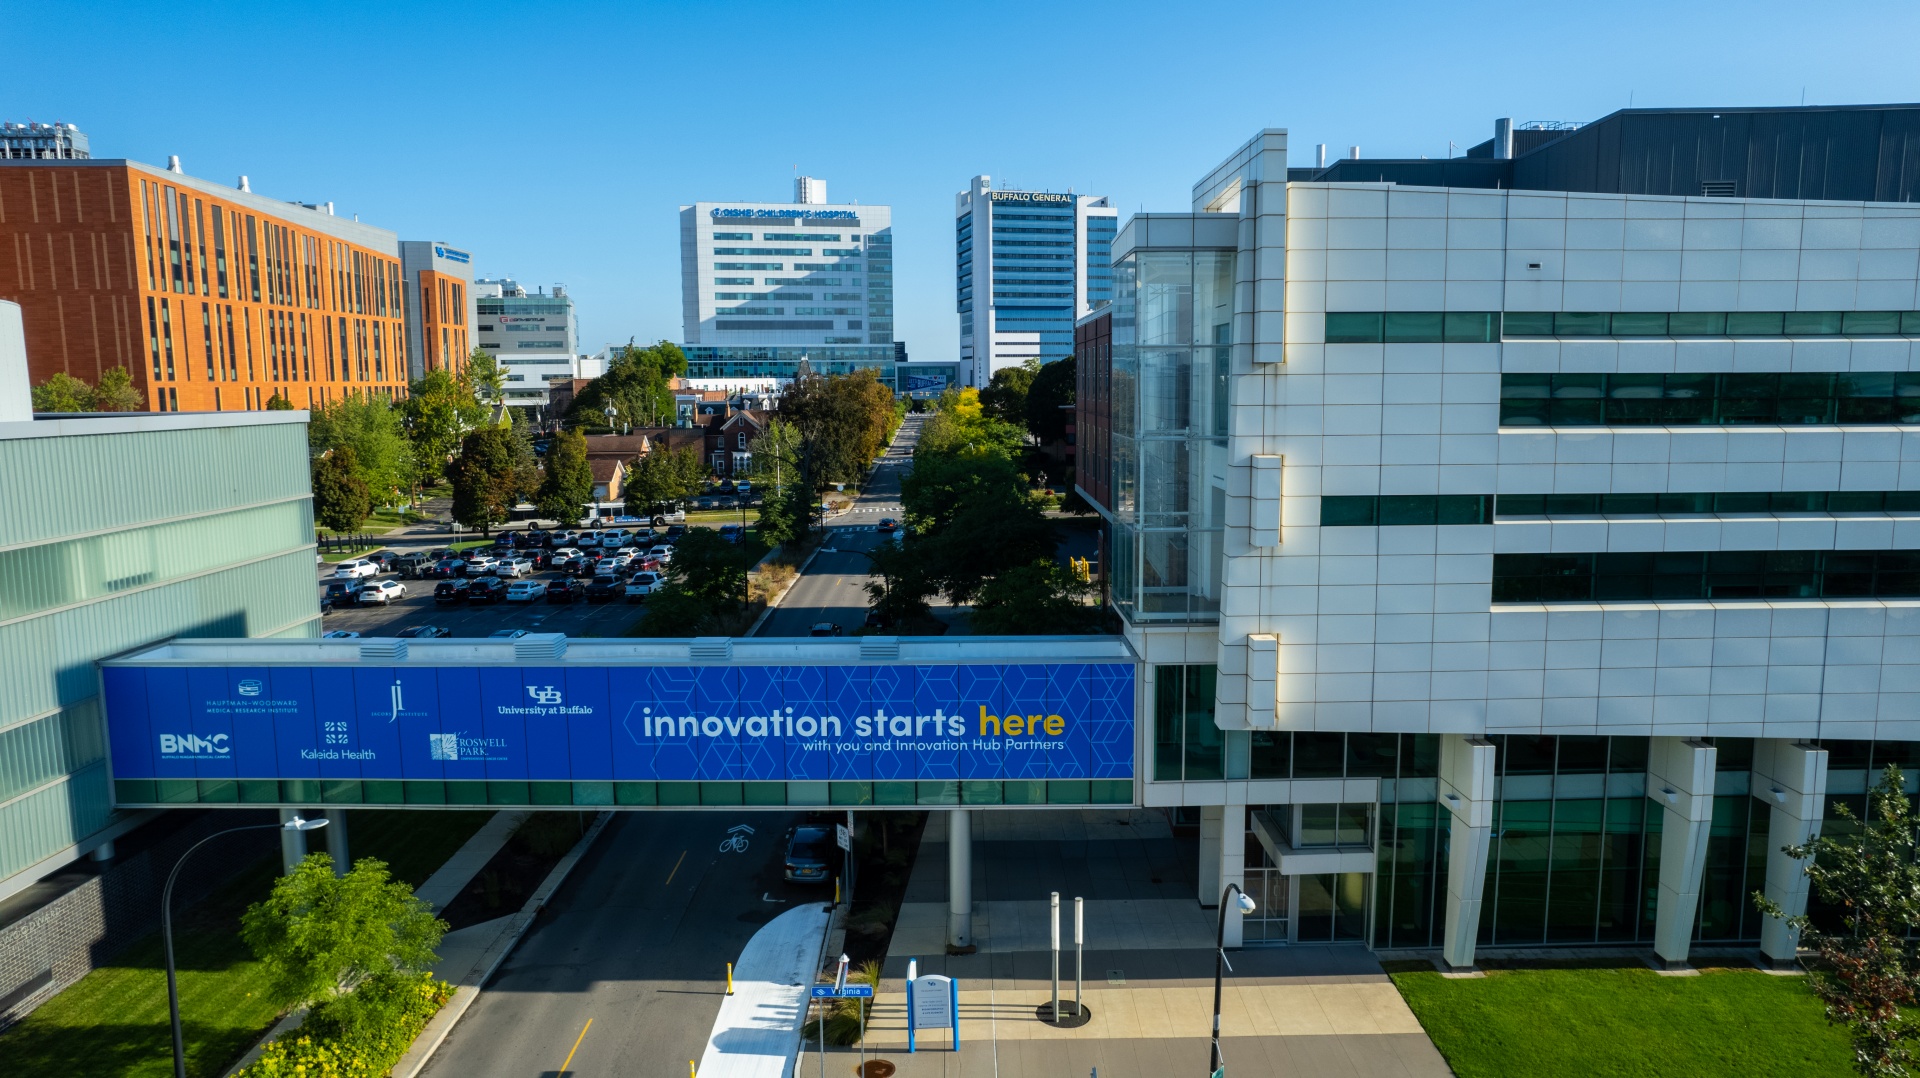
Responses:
[166,924]
[1216,1065]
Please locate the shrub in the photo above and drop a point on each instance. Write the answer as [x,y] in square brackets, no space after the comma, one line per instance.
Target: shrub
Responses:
[359,1035]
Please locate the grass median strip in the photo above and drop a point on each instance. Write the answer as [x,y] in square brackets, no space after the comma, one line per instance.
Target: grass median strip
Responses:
[112,1023]
[1616,1021]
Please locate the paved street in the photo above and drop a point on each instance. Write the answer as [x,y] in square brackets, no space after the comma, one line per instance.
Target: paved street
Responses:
[637,942]
[832,589]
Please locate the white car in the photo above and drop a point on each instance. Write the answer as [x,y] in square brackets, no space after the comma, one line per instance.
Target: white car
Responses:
[478,563]
[526,591]
[587,541]
[664,552]
[613,539]
[515,566]
[641,586]
[382,592]
[357,569]
[564,553]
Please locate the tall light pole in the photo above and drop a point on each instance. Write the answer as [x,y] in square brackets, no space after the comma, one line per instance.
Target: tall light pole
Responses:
[166,925]
[1216,1065]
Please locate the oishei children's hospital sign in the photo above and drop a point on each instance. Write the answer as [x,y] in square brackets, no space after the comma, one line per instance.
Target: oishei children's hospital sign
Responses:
[584,723]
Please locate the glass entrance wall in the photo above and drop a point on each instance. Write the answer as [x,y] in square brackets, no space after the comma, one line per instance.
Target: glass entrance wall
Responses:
[1172,338]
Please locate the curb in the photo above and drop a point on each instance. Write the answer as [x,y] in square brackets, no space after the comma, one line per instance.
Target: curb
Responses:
[437,1029]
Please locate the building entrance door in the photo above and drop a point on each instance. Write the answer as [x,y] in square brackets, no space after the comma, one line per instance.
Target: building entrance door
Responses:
[1268,923]
[1333,908]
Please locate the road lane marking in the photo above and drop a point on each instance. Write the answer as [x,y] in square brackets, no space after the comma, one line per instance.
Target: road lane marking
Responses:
[676,869]
[576,1046]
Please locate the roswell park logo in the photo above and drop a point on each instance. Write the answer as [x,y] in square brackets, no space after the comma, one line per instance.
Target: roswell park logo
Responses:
[458,747]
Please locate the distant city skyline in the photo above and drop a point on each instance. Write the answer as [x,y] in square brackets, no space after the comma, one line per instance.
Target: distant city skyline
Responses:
[574,171]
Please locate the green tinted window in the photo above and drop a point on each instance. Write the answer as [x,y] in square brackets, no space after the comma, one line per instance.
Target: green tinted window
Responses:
[1353,328]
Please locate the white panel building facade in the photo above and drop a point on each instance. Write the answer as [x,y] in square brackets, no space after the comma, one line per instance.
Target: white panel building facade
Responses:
[1521,566]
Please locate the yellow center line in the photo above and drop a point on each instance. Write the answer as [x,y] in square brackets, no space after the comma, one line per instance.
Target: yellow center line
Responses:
[676,868]
[576,1046]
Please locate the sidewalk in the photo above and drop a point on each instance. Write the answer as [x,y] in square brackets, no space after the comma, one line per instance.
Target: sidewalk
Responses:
[1321,1010]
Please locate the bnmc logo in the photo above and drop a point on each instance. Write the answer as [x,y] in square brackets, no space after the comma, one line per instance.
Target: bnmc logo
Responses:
[194,745]
[544,694]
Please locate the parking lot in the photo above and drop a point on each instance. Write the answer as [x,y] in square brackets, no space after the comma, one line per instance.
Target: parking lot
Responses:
[417,607]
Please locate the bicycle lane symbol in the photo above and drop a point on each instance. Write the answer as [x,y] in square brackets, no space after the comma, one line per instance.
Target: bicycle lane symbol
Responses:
[736,840]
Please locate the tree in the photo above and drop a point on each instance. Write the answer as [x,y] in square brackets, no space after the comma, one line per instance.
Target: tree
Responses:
[63,393]
[786,508]
[1868,973]
[371,426]
[438,411]
[709,568]
[1041,597]
[1005,397]
[841,422]
[115,393]
[639,385]
[279,403]
[900,584]
[340,497]
[568,483]
[486,479]
[1050,400]
[662,475]
[483,373]
[320,935]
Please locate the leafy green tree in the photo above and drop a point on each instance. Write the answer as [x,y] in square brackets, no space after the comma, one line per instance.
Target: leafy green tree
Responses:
[340,497]
[487,479]
[1868,973]
[568,483]
[1042,597]
[639,385]
[1005,397]
[371,426]
[320,935]
[842,423]
[484,374]
[63,393]
[115,393]
[900,584]
[279,403]
[437,413]
[662,475]
[1050,400]
[709,568]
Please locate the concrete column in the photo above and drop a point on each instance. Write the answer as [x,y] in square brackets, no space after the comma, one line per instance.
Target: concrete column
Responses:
[959,878]
[1466,790]
[337,841]
[1680,777]
[104,851]
[293,844]
[1791,778]
[1209,883]
[1233,867]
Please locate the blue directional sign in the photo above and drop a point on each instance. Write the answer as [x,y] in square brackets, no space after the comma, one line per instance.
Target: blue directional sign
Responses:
[850,991]
[622,722]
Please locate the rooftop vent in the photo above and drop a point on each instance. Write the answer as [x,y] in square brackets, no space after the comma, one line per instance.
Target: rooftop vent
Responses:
[879,648]
[540,648]
[1720,188]
[710,649]
[394,651]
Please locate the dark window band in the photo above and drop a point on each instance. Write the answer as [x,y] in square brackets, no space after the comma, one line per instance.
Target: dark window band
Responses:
[1718,574]
[1391,509]
[1682,504]
[1637,400]
[1478,327]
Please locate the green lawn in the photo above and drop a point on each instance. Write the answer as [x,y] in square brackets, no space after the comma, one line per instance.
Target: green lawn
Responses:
[1617,1022]
[113,1022]
[381,522]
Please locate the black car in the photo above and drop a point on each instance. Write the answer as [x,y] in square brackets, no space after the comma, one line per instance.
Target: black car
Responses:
[879,619]
[562,590]
[603,588]
[452,591]
[410,566]
[808,854]
[424,632]
[383,559]
[344,592]
[486,589]
[440,570]
[538,538]
[675,531]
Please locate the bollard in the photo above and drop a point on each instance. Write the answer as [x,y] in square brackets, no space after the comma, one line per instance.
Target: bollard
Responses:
[691,1073]
[1056,958]
[729,978]
[1079,952]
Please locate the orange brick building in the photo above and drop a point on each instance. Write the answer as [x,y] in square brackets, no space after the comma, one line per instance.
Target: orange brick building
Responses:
[439,286]
[213,298]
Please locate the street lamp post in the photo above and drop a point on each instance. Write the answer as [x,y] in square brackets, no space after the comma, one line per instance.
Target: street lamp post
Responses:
[1216,1065]
[166,925]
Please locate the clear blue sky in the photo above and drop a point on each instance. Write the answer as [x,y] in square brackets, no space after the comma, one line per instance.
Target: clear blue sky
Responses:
[558,140]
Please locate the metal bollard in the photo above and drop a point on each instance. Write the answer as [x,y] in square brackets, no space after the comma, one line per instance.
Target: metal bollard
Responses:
[1056,957]
[729,978]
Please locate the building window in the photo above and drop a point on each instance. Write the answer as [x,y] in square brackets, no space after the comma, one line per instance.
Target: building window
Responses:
[1717,574]
[1592,400]
[1701,504]
[1388,510]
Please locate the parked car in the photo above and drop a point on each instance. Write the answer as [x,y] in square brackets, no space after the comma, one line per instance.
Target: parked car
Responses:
[412,566]
[537,538]
[340,634]
[342,592]
[451,591]
[879,619]
[562,590]
[480,562]
[486,589]
[705,501]
[525,591]
[506,634]
[641,586]
[560,537]
[825,628]
[518,565]
[424,632]
[382,592]
[383,559]
[602,588]
[664,552]
[743,487]
[613,539]
[587,540]
[357,569]
[808,851]
[733,533]
[675,531]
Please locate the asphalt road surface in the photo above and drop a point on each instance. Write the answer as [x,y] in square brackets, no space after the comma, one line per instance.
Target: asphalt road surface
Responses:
[833,587]
[637,942]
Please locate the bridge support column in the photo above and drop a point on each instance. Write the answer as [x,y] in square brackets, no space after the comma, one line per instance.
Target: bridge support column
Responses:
[1680,774]
[1466,792]
[337,841]
[293,844]
[1791,779]
[959,878]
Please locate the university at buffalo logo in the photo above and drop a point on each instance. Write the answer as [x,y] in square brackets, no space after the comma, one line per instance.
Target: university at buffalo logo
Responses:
[544,694]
